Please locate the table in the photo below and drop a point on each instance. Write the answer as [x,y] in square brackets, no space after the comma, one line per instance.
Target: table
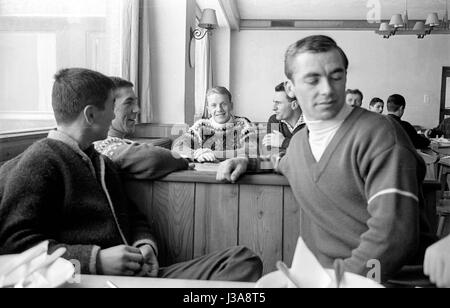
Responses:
[93,281]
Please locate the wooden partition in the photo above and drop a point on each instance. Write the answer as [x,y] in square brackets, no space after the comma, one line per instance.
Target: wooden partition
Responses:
[192,214]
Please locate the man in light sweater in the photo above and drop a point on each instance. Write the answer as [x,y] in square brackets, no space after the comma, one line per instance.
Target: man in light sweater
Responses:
[354,173]
[63,191]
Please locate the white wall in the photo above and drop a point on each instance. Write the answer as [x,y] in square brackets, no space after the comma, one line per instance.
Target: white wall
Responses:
[378,67]
[172,79]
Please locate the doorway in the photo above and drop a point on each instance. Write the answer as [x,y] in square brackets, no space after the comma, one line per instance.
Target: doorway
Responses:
[445,94]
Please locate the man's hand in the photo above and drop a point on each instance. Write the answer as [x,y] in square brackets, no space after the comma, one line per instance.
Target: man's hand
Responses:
[274,139]
[437,263]
[204,155]
[231,169]
[150,267]
[120,261]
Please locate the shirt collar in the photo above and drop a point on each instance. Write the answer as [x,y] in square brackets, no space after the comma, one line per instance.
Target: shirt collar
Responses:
[66,139]
[324,125]
[300,121]
[216,125]
[70,142]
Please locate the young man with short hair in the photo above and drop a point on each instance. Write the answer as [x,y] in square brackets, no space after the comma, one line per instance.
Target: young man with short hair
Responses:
[376,105]
[354,173]
[286,121]
[354,97]
[396,107]
[223,135]
[136,160]
[62,190]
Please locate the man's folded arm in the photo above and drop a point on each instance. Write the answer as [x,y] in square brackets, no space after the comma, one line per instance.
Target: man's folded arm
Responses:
[146,161]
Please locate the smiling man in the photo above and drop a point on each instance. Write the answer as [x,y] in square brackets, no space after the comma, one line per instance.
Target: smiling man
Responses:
[222,136]
[136,160]
[354,173]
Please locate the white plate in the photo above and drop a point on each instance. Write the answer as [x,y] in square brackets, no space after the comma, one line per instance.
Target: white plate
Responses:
[278,280]
[54,276]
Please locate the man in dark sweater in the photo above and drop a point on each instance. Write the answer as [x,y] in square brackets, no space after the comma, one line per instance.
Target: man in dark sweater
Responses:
[396,107]
[354,173]
[443,130]
[286,121]
[62,190]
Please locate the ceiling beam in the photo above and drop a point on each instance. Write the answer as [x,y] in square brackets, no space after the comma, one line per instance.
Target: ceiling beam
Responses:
[231,12]
[354,25]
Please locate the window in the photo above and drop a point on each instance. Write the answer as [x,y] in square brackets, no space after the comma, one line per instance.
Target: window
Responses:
[39,37]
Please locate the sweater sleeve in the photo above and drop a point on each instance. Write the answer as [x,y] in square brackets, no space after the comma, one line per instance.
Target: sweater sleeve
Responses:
[186,144]
[439,130]
[393,192]
[146,161]
[28,209]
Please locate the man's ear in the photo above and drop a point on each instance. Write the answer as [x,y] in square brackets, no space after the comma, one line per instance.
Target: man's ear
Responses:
[290,89]
[89,114]
[294,105]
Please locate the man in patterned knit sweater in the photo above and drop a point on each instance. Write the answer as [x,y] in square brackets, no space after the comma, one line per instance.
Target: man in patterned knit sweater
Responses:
[63,191]
[221,136]
[136,160]
[354,173]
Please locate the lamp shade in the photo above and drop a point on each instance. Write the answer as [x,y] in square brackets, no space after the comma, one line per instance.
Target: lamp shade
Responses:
[432,20]
[396,21]
[419,26]
[384,26]
[209,19]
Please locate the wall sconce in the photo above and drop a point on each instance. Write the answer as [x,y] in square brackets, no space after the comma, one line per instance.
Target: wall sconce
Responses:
[207,23]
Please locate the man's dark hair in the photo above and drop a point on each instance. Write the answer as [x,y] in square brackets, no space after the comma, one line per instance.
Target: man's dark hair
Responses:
[312,44]
[282,88]
[76,88]
[354,91]
[394,102]
[375,100]
[121,83]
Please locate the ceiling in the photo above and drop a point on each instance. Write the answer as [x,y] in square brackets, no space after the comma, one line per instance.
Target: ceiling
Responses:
[336,9]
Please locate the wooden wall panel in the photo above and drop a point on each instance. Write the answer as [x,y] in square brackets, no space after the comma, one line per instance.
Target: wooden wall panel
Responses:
[291,225]
[261,222]
[216,217]
[173,211]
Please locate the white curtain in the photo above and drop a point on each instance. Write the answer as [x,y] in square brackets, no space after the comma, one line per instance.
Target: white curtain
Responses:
[203,75]
[136,52]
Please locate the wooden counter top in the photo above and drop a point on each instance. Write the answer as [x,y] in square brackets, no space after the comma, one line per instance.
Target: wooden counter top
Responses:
[209,177]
